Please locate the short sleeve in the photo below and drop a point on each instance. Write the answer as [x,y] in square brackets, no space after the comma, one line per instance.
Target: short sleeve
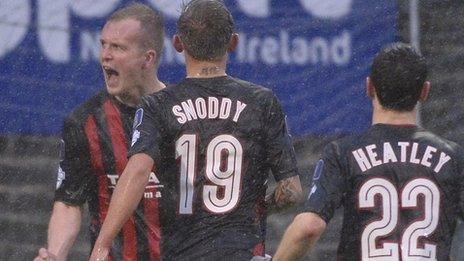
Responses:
[328,185]
[75,176]
[280,153]
[461,184]
[461,195]
[147,129]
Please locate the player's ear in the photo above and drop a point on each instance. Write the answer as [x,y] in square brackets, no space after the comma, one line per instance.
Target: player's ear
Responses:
[425,91]
[233,43]
[370,89]
[177,43]
[150,58]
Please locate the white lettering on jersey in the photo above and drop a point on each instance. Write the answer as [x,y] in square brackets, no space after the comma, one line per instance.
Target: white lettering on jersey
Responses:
[224,113]
[362,160]
[389,156]
[240,107]
[427,156]
[177,110]
[213,108]
[388,153]
[404,146]
[443,159]
[373,155]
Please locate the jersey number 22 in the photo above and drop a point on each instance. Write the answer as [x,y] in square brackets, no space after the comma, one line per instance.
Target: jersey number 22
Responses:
[386,225]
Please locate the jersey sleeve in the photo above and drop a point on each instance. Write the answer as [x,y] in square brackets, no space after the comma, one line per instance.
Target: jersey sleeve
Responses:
[280,152]
[328,185]
[461,195]
[75,176]
[147,129]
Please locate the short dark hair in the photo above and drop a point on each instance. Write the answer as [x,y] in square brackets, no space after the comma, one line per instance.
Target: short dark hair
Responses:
[205,27]
[398,74]
[151,23]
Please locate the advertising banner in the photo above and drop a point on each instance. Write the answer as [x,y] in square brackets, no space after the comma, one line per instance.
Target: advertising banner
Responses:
[315,55]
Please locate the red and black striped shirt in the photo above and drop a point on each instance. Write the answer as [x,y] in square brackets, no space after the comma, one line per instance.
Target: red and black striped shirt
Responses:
[96,137]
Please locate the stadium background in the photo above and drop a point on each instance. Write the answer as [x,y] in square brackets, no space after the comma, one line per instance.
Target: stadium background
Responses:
[315,55]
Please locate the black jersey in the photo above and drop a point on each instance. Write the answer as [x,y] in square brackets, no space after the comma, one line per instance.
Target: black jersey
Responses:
[214,142]
[95,138]
[401,188]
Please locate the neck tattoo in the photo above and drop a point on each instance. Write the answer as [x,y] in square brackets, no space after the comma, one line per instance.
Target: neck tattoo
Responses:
[206,71]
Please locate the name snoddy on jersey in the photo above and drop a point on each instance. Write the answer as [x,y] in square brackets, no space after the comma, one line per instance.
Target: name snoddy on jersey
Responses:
[208,108]
[367,157]
[153,182]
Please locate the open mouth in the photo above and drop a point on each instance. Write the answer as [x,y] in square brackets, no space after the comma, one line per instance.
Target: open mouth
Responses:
[109,72]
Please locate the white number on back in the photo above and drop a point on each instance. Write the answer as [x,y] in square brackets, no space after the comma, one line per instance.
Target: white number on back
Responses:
[223,169]
[385,226]
[411,235]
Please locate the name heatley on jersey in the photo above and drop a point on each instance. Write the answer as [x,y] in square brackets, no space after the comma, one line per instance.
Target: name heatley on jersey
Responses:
[430,157]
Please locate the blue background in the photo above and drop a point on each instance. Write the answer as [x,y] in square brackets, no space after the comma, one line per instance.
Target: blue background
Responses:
[319,97]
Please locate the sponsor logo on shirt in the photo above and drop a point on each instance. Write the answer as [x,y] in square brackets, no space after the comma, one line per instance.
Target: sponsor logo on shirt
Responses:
[152,190]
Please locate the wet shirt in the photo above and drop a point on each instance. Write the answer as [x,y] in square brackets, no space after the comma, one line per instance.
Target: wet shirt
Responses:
[214,142]
[401,189]
[95,143]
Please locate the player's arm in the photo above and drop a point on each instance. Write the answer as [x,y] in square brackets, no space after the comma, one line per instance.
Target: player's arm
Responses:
[287,193]
[126,196]
[282,160]
[73,184]
[300,237]
[326,194]
[63,229]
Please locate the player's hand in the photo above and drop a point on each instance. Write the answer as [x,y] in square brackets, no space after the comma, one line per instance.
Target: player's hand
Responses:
[44,255]
[100,254]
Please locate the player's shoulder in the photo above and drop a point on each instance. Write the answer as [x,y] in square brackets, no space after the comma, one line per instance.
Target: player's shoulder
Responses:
[439,142]
[344,143]
[158,97]
[379,134]
[252,88]
[89,107]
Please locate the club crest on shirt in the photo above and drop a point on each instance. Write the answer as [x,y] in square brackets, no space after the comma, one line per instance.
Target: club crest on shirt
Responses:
[60,178]
[62,150]
[135,137]
[312,191]
[138,118]
[318,169]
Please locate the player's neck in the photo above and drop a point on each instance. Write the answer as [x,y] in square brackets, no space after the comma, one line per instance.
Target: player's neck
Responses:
[205,69]
[153,85]
[384,116]
[133,99]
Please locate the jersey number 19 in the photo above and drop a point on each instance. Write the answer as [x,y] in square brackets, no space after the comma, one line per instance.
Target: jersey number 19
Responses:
[223,169]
